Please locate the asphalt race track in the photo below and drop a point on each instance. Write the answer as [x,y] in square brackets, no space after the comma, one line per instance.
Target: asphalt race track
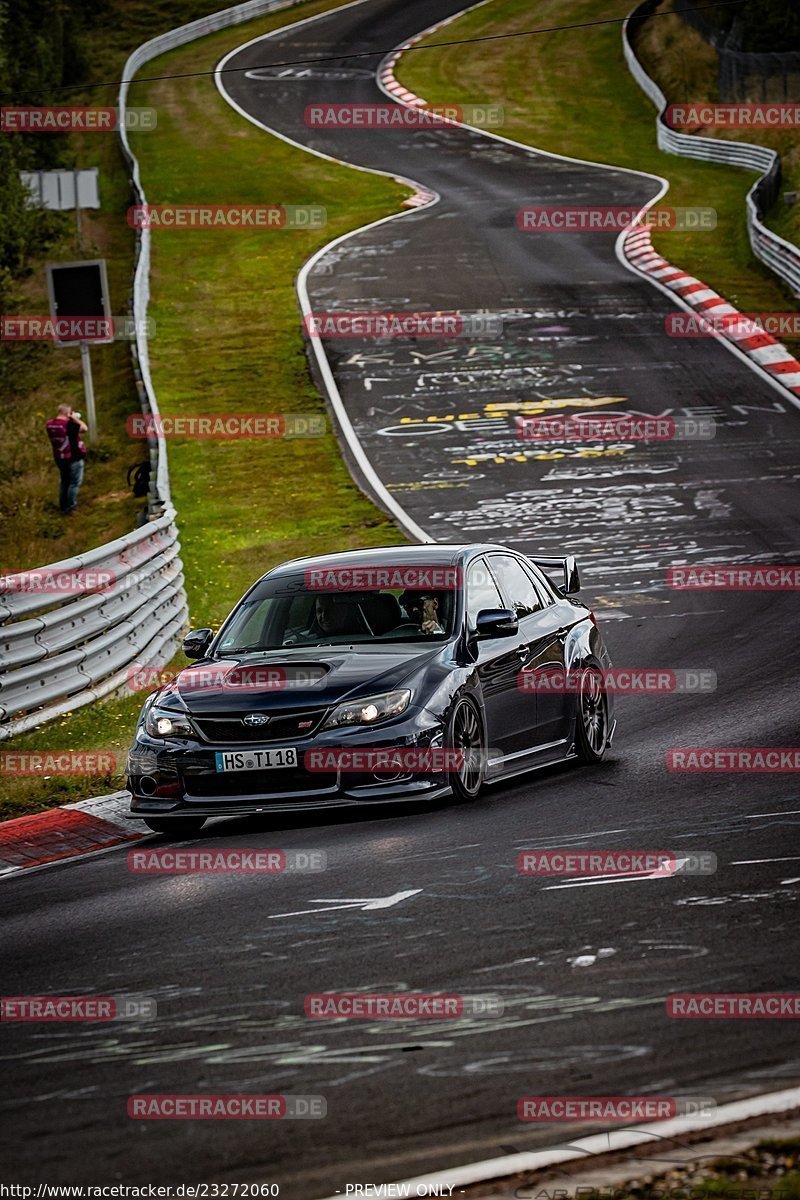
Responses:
[229,959]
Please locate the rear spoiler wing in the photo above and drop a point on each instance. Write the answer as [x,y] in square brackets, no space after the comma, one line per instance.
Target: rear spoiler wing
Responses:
[563,572]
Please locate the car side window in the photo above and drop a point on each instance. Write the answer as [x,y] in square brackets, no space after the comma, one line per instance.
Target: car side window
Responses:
[516,584]
[481,592]
[540,583]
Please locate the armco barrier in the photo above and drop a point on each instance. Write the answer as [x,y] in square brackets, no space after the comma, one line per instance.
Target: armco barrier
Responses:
[779,255]
[58,653]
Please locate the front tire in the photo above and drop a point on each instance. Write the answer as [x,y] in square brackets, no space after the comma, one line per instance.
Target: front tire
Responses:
[591,720]
[465,733]
[180,827]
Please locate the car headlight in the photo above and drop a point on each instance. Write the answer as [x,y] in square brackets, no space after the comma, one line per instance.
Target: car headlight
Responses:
[161,722]
[369,711]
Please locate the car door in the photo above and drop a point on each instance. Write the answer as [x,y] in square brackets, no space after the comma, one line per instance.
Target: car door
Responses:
[545,714]
[498,665]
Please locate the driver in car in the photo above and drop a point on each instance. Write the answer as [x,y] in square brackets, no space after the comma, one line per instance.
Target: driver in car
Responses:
[423,610]
[329,618]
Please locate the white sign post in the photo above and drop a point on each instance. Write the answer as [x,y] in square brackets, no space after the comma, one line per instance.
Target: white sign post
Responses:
[61,191]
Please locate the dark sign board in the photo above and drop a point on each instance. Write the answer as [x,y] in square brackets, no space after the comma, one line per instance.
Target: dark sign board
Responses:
[79,290]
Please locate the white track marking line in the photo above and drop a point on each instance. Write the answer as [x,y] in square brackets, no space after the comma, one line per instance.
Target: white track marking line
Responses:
[388,501]
[786,813]
[600,1143]
[749,862]
[623,877]
[619,251]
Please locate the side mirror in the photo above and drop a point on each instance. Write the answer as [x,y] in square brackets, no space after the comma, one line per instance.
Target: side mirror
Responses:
[496,622]
[197,642]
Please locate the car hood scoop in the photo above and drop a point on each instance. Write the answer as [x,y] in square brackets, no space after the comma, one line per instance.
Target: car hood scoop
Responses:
[286,679]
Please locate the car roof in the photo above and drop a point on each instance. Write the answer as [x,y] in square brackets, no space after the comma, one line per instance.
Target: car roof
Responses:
[425,553]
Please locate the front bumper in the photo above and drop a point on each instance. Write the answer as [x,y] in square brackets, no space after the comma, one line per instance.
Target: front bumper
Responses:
[178,777]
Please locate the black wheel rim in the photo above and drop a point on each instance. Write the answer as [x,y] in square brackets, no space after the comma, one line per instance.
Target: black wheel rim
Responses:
[467,739]
[593,710]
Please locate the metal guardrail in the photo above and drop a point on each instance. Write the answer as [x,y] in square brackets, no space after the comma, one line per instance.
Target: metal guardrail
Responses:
[775,252]
[61,652]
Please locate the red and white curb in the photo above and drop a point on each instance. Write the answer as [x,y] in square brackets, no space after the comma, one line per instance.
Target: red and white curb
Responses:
[388,80]
[762,348]
[392,86]
[386,75]
[69,832]
[636,248]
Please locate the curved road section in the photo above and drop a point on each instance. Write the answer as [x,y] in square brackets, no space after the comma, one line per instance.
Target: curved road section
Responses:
[431,900]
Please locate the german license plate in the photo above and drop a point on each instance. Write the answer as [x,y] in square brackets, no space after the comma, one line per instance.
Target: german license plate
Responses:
[256,760]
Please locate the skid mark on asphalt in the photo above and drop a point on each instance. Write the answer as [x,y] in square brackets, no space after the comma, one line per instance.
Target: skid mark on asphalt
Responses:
[437,855]
[544,1060]
[733,898]
[292,1041]
[637,953]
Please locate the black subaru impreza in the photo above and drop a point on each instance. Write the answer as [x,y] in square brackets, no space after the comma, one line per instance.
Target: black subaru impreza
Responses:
[394,673]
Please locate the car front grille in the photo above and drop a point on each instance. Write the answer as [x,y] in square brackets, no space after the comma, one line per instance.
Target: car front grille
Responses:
[225,729]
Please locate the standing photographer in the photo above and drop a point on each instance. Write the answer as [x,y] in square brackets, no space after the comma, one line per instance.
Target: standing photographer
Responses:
[69,452]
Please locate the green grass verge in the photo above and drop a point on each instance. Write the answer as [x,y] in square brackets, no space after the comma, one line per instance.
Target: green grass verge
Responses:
[36,377]
[766,1171]
[229,340]
[570,92]
[229,336]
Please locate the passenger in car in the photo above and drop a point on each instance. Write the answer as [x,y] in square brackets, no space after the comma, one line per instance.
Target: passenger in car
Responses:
[423,610]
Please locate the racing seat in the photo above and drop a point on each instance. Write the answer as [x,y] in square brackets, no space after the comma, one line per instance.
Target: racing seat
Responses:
[383,612]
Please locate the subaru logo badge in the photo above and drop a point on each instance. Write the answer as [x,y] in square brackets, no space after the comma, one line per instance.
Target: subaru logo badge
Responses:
[255,719]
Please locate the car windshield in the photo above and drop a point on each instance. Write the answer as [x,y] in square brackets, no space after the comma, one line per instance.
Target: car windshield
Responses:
[286,613]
